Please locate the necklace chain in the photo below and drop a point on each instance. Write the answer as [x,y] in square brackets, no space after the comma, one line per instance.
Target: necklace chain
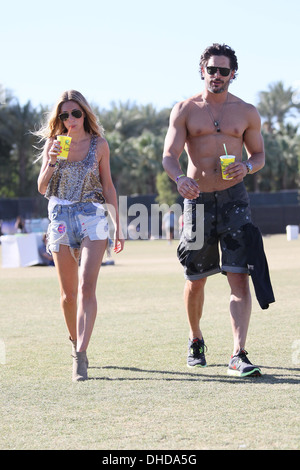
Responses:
[216,122]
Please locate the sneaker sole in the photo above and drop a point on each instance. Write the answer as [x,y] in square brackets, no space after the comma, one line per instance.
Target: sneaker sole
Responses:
[253,373]
[196,365]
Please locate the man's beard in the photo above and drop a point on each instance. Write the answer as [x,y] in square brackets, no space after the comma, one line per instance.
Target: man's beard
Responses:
[221,89]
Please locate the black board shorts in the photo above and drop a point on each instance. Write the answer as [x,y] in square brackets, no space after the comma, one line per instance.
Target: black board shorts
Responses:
[225,213]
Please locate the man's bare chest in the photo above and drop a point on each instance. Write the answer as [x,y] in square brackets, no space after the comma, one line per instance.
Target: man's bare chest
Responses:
[203,123]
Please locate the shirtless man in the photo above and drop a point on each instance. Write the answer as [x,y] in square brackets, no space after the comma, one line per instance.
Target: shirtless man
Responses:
[202,125]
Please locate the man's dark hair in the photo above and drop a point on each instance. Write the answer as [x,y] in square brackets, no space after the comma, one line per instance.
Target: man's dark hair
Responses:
[219,49]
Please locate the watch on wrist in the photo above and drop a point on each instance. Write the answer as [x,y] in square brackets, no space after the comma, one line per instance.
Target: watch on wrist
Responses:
[249,167]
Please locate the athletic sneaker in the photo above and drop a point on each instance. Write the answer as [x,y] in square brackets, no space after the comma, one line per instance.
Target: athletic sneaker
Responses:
[196,356]
[240,366]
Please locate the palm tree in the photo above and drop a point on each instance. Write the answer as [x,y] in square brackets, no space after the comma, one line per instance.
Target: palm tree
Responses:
[16,141]
[135,135]
[282,141]
[276,105]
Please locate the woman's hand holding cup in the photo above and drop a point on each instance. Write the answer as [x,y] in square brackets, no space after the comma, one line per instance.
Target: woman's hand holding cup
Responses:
[54,151]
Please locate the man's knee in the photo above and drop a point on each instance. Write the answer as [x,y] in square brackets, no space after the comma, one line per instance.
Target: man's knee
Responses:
[239,282]
[195,285]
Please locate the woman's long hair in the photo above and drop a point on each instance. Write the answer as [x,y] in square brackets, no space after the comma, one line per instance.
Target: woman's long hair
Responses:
[54,126]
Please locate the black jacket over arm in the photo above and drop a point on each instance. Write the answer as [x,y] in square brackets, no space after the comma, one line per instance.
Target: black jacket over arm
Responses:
[258,266]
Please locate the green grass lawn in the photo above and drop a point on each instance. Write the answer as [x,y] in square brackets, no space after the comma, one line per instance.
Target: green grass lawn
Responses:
[140,394]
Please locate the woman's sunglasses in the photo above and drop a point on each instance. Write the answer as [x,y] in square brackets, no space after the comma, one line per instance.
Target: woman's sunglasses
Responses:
[76,113]
[223,71]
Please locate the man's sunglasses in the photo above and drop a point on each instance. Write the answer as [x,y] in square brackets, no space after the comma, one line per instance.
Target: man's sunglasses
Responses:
[76,113]
[223,71]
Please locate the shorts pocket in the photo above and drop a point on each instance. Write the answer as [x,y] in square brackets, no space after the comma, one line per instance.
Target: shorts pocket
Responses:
[55,212]
[239,193]
[89,209]
[182,252]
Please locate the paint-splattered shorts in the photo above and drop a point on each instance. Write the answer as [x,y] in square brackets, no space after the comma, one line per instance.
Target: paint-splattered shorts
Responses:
[225,213]
[70,224]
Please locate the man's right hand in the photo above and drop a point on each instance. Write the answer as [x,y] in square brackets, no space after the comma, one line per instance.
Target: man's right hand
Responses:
[188,188]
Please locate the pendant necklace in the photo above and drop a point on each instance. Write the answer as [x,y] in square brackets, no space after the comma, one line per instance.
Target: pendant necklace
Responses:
[216,122]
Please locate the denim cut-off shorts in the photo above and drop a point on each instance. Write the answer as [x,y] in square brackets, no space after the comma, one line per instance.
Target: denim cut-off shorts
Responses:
[225,214]
[70,224]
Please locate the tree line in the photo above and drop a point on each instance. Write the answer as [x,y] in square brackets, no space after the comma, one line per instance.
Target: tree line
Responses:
[136,134]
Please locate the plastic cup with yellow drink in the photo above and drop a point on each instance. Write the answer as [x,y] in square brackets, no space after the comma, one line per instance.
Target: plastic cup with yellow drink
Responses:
[65,142]
[225,161]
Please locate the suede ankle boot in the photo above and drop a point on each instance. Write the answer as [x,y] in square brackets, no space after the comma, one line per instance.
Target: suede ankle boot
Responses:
[80,364]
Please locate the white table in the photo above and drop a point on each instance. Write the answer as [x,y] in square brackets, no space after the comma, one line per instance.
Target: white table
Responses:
[21,250]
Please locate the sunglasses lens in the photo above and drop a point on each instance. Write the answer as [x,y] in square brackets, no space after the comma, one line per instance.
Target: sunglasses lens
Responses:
[224,72]
[63,116]
[76,113]
[211,70]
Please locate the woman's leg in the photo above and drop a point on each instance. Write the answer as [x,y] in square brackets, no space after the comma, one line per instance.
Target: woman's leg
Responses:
[67,269]
[91,258]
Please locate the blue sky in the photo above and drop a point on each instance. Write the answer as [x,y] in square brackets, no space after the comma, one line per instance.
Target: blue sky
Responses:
[143,51]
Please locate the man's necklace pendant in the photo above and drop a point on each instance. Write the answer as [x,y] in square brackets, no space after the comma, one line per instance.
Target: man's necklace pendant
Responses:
[216,124]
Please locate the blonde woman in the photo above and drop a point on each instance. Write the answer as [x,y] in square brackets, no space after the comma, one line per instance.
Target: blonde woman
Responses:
[77,189]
